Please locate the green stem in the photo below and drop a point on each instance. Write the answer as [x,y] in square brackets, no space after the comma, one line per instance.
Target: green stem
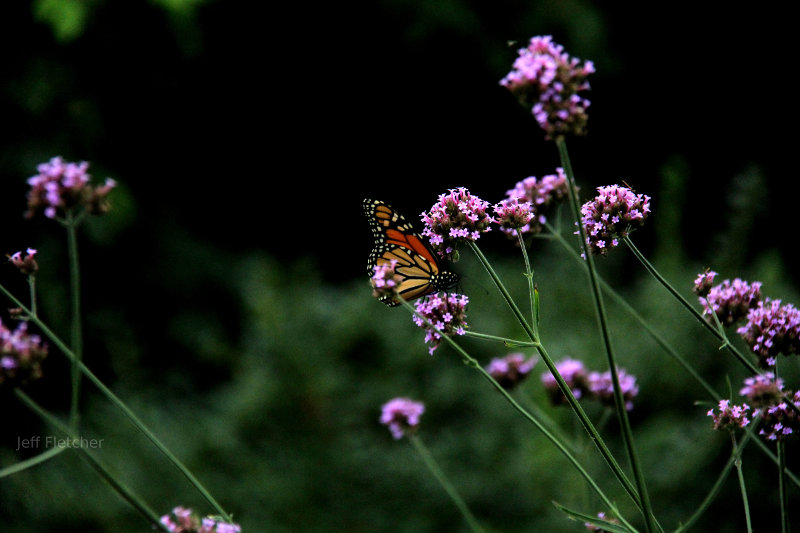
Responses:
[28,463]
[119,404]
[737,456]
[470,361]
[448,487]
[508,342]
[118,486]
[594,435]
[782,486]
[619,401]
[77,328]
[32,287]
[531,287]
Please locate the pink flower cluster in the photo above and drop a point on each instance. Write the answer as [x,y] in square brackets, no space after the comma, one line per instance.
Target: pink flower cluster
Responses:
[26,264]
[385,281]
[592,385]
[541,194]
[457,216]
[61,186]
[182,520]
[446,311]
[548,81]
[610,215]
[772,329]
[401,416]
[727,416]
[510,370]
[731,300]
[21,354]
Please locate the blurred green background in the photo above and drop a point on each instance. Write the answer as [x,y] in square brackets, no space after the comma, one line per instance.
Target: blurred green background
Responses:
[225,294]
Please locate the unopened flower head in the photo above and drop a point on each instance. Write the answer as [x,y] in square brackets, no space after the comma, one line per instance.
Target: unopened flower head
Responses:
[772,329]
[183,520]
[542,194]
[602,516]
[25,263]
[401,416]
[446,311]
[730,417]
[21,354]
[762,390]
[385,281]
[548,81]
[610,216]
[510,370]
[574,374]
[61,186]
[602,387]
[731,300]
[704,282]
[457,216]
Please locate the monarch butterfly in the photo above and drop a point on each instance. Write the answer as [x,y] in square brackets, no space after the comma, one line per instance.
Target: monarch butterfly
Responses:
[395,239]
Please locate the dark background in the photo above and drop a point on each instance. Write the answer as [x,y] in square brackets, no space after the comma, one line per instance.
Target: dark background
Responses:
[244,137]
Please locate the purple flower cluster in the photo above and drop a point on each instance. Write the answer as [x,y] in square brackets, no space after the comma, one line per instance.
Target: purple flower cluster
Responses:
[513,215]
[772,329]
[548,81]
[592,385]
[447,312]
[510,370]
[21,354]
[765,393]
[401,416]
[183,520]
[457,216]
[730,300]
[703,283]
[385,281]
[26,264]
[609,216]
[61,186]
[727,416]
[541,194]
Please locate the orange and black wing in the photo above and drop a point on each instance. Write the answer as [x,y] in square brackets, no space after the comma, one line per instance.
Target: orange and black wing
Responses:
[395,239]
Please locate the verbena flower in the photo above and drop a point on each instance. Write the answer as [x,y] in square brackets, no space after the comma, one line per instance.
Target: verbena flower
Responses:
[780,421]
[601,515]
[731,300]
[762,390]
[27,263]
[457,216]
[610,215]
[21,354]
[574,374]
[510,370]
[703,283]
[730,417]
[446,311]
[512,215]
[602,387]
[772,329]
[61,186]
[542,194]
[548,81]
[401,416]
[385,281]
[183,520]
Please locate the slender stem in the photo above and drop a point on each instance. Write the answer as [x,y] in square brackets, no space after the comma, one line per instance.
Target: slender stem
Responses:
[531,287]
[33,461]
[470,361]
[32,287]
[77,327]
[594,435]
[118,486]
[448,487]
[504,340]
[119,404]
[622,413]
[782,486]
[737,457]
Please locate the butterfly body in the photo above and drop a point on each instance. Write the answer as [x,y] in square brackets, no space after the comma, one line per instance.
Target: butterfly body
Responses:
[396,240]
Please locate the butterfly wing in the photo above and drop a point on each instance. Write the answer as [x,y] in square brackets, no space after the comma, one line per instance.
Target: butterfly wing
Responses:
[396,240]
